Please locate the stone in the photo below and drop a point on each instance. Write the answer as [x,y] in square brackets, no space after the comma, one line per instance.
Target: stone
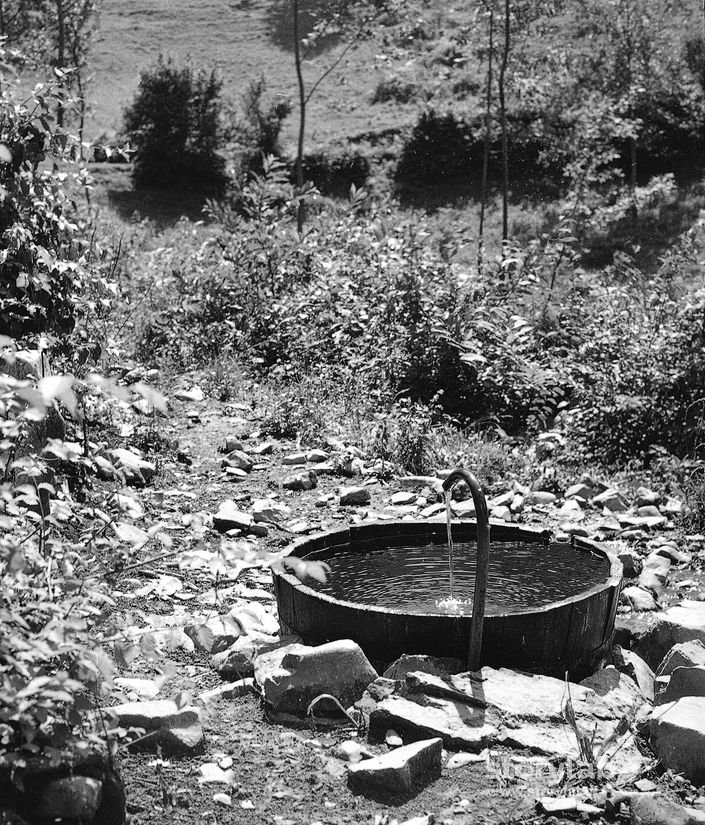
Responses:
[503,500]
[432,510]
[265,448]
[73,798]
[295,458]
[215,634]
[292,676]
[237,662]
[631,563]
[354,496]
[167,726]
[159,713]
[658,562]
[392,739]
[649,510]
[685,654]
[634,666]
[500,706]
[653,580]
[460,726]
[684,622]
[195,394]
[673,507]
[234,473]
[305,480]
[316,456]
[571,510]
[684,681]
[399,772]
[639,599]
[268,511]
[181,741]
[463,509]
[229,517]
[656,809]
[540,497]
[645,497]
[231,443]
[417,482]
[143,688]
[403,497]
[580,491]
[517,503]
[502,513]
[230,690]
[611,499]
[239,460]
[413,662]
[620,692]
[671,552]
[678,737]
[133,465]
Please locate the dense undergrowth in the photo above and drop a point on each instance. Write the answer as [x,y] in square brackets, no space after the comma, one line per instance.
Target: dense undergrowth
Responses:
[369,303]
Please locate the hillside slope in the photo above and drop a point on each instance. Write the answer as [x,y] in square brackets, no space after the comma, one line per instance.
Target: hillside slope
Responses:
[243,40]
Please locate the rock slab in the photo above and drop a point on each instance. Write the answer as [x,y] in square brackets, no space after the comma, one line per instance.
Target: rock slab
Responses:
[401,771]
[678,737]
[291,677]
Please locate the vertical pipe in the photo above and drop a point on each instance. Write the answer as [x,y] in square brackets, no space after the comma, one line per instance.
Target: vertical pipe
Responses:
[483,556]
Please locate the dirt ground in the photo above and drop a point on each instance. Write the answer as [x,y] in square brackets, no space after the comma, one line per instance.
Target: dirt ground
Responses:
[282,775]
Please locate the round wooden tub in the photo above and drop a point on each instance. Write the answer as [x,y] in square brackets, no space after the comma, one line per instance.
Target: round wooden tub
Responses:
[571,635]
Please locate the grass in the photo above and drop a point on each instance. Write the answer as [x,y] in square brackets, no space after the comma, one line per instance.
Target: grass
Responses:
[243,40]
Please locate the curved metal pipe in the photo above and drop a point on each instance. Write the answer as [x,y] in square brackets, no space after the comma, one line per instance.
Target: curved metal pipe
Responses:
[483,557]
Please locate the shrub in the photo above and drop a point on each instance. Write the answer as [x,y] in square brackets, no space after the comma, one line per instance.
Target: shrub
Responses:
[334,175]
[439,147]
[40,268]
[174,125]
[396,90]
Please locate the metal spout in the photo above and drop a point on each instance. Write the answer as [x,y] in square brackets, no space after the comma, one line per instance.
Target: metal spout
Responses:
[483,557]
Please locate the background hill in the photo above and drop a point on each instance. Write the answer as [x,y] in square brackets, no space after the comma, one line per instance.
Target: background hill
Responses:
[243,40]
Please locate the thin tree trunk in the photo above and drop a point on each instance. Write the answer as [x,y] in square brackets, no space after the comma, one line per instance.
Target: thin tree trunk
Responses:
[503,120]
[302,120]
[61,56]
[486,148]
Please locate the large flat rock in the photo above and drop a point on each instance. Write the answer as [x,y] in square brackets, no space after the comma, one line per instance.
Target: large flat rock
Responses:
[678,737]
[684,622]
[470,711]
[401,771]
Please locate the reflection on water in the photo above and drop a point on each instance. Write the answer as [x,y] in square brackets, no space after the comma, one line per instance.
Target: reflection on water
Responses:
[416,579]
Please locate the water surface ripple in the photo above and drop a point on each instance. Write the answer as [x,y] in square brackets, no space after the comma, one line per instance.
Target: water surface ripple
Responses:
[416,579]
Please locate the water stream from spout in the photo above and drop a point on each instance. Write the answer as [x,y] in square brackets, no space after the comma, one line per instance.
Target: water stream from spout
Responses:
[449,516]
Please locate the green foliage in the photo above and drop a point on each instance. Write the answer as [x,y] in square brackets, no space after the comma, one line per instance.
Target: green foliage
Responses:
[333,174]
[439,147]
[40,265]
[174,124]
[259,131]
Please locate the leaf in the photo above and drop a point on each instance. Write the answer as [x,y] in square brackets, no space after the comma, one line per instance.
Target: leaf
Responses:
[148,646]
[129,534]
[166,586]
[204,637]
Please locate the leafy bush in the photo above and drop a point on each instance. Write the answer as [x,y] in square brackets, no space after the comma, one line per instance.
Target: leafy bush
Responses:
[439,147]
[335,174]
[396,89]
[40,273]
[257,133]
[174,124]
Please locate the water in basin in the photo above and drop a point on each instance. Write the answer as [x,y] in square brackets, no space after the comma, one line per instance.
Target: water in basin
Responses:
[416,579]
